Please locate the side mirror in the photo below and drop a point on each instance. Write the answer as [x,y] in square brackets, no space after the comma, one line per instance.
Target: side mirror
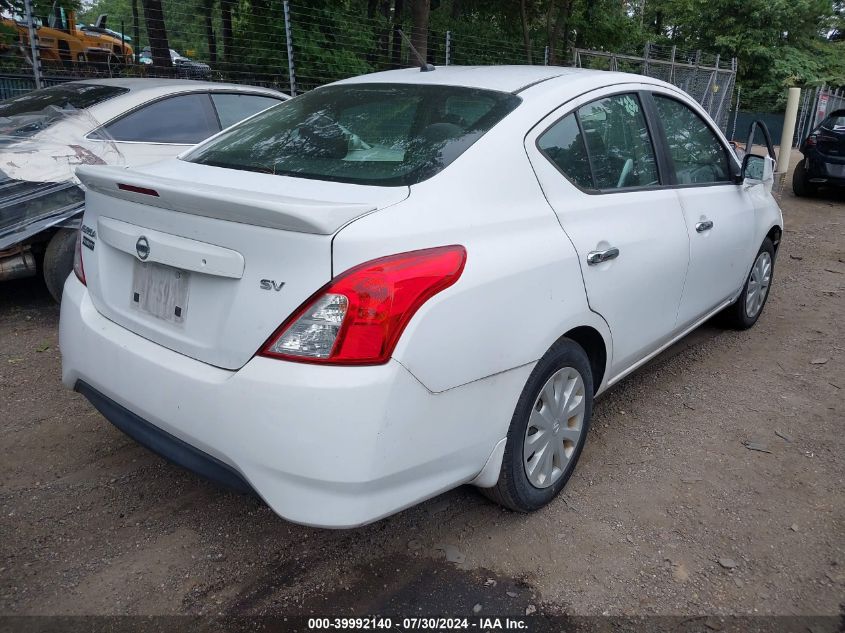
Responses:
[758,170]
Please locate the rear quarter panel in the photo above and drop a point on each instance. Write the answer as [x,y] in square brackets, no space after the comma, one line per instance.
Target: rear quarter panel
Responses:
[521,288]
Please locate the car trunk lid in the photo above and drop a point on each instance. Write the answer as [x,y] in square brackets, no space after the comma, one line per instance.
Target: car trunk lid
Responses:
[206,261]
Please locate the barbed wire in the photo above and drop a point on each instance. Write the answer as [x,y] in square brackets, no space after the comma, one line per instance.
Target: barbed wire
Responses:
[295,46]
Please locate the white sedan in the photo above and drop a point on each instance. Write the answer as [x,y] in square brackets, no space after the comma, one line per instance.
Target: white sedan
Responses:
[44,134]
[408,281]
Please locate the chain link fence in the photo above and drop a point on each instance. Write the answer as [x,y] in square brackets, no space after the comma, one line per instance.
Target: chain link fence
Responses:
[708,79]
[815,105]
[295,45]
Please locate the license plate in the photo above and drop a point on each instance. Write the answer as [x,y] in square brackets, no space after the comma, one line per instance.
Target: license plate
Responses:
[161,291]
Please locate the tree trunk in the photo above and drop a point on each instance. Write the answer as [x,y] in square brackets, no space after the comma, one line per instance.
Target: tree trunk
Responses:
[558,26]
[526,36]
[157,33]
[457,9]
[381,56]
[396,50]
[226,23]
[208,10]
[419,31]
[136,30]
[549,28]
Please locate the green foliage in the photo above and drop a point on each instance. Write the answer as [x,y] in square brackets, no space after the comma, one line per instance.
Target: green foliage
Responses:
[40,8]
[778,43]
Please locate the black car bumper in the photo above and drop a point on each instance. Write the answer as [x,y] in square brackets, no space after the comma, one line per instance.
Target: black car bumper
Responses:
[821,170]
[171,448]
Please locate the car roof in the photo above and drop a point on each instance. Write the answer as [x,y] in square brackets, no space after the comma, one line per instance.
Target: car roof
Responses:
[166,86]
[502,78]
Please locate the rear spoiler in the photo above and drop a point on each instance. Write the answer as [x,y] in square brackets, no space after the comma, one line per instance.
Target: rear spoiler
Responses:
[222,203]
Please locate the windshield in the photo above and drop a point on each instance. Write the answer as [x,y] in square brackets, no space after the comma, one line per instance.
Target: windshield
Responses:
[378,134]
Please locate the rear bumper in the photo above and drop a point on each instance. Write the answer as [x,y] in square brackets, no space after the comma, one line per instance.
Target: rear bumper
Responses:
[324,446]
[827,181]
[825,171]
[168,446]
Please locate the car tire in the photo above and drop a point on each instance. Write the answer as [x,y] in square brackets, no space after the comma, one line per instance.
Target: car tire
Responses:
[566,368]
[58,261]
[744,312]
[800,186]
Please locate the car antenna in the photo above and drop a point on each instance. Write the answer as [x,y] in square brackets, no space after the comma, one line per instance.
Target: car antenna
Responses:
[425,67]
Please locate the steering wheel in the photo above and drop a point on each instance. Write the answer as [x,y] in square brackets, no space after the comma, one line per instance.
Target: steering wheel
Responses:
[626,171]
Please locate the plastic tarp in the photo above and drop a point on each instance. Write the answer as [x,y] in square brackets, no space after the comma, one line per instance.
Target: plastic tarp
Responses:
[39,153]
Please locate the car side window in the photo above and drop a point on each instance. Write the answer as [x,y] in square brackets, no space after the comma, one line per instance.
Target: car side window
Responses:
[233,108]
[183,120]
[699,156]
[618,142]
[563,144]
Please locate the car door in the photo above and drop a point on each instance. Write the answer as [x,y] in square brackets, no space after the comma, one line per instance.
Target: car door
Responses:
[599,170]
[161,129]
[718,212]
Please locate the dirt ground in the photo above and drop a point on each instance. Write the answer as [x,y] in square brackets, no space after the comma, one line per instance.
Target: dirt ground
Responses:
[668,512]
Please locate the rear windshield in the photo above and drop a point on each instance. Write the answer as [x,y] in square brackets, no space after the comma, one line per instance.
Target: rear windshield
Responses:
[375,134]
[64,97]
[835,121]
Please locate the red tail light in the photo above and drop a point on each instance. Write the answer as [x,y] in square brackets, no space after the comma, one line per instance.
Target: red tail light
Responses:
[811,140]
[78,268]
[136,189]
[358,317]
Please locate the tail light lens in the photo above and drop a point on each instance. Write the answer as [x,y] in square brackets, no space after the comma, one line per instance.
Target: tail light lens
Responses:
[358,317]
[78,268]
[811,141]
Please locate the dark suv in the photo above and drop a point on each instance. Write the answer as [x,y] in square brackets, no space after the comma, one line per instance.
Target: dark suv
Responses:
[824,157]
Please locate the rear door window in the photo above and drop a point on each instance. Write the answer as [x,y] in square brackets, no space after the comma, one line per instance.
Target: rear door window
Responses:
[233,108]
[604,145]
[181,120]
[563,144]
[618,142]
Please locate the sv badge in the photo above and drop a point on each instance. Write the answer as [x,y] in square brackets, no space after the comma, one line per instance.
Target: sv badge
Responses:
[270,284]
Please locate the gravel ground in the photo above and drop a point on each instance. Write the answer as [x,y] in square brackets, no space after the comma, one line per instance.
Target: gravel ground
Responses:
[668,513]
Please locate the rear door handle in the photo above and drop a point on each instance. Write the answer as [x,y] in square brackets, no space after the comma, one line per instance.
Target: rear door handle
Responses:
[706,225]
[597,257]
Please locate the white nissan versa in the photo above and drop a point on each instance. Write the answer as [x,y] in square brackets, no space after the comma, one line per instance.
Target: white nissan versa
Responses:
[407,281]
